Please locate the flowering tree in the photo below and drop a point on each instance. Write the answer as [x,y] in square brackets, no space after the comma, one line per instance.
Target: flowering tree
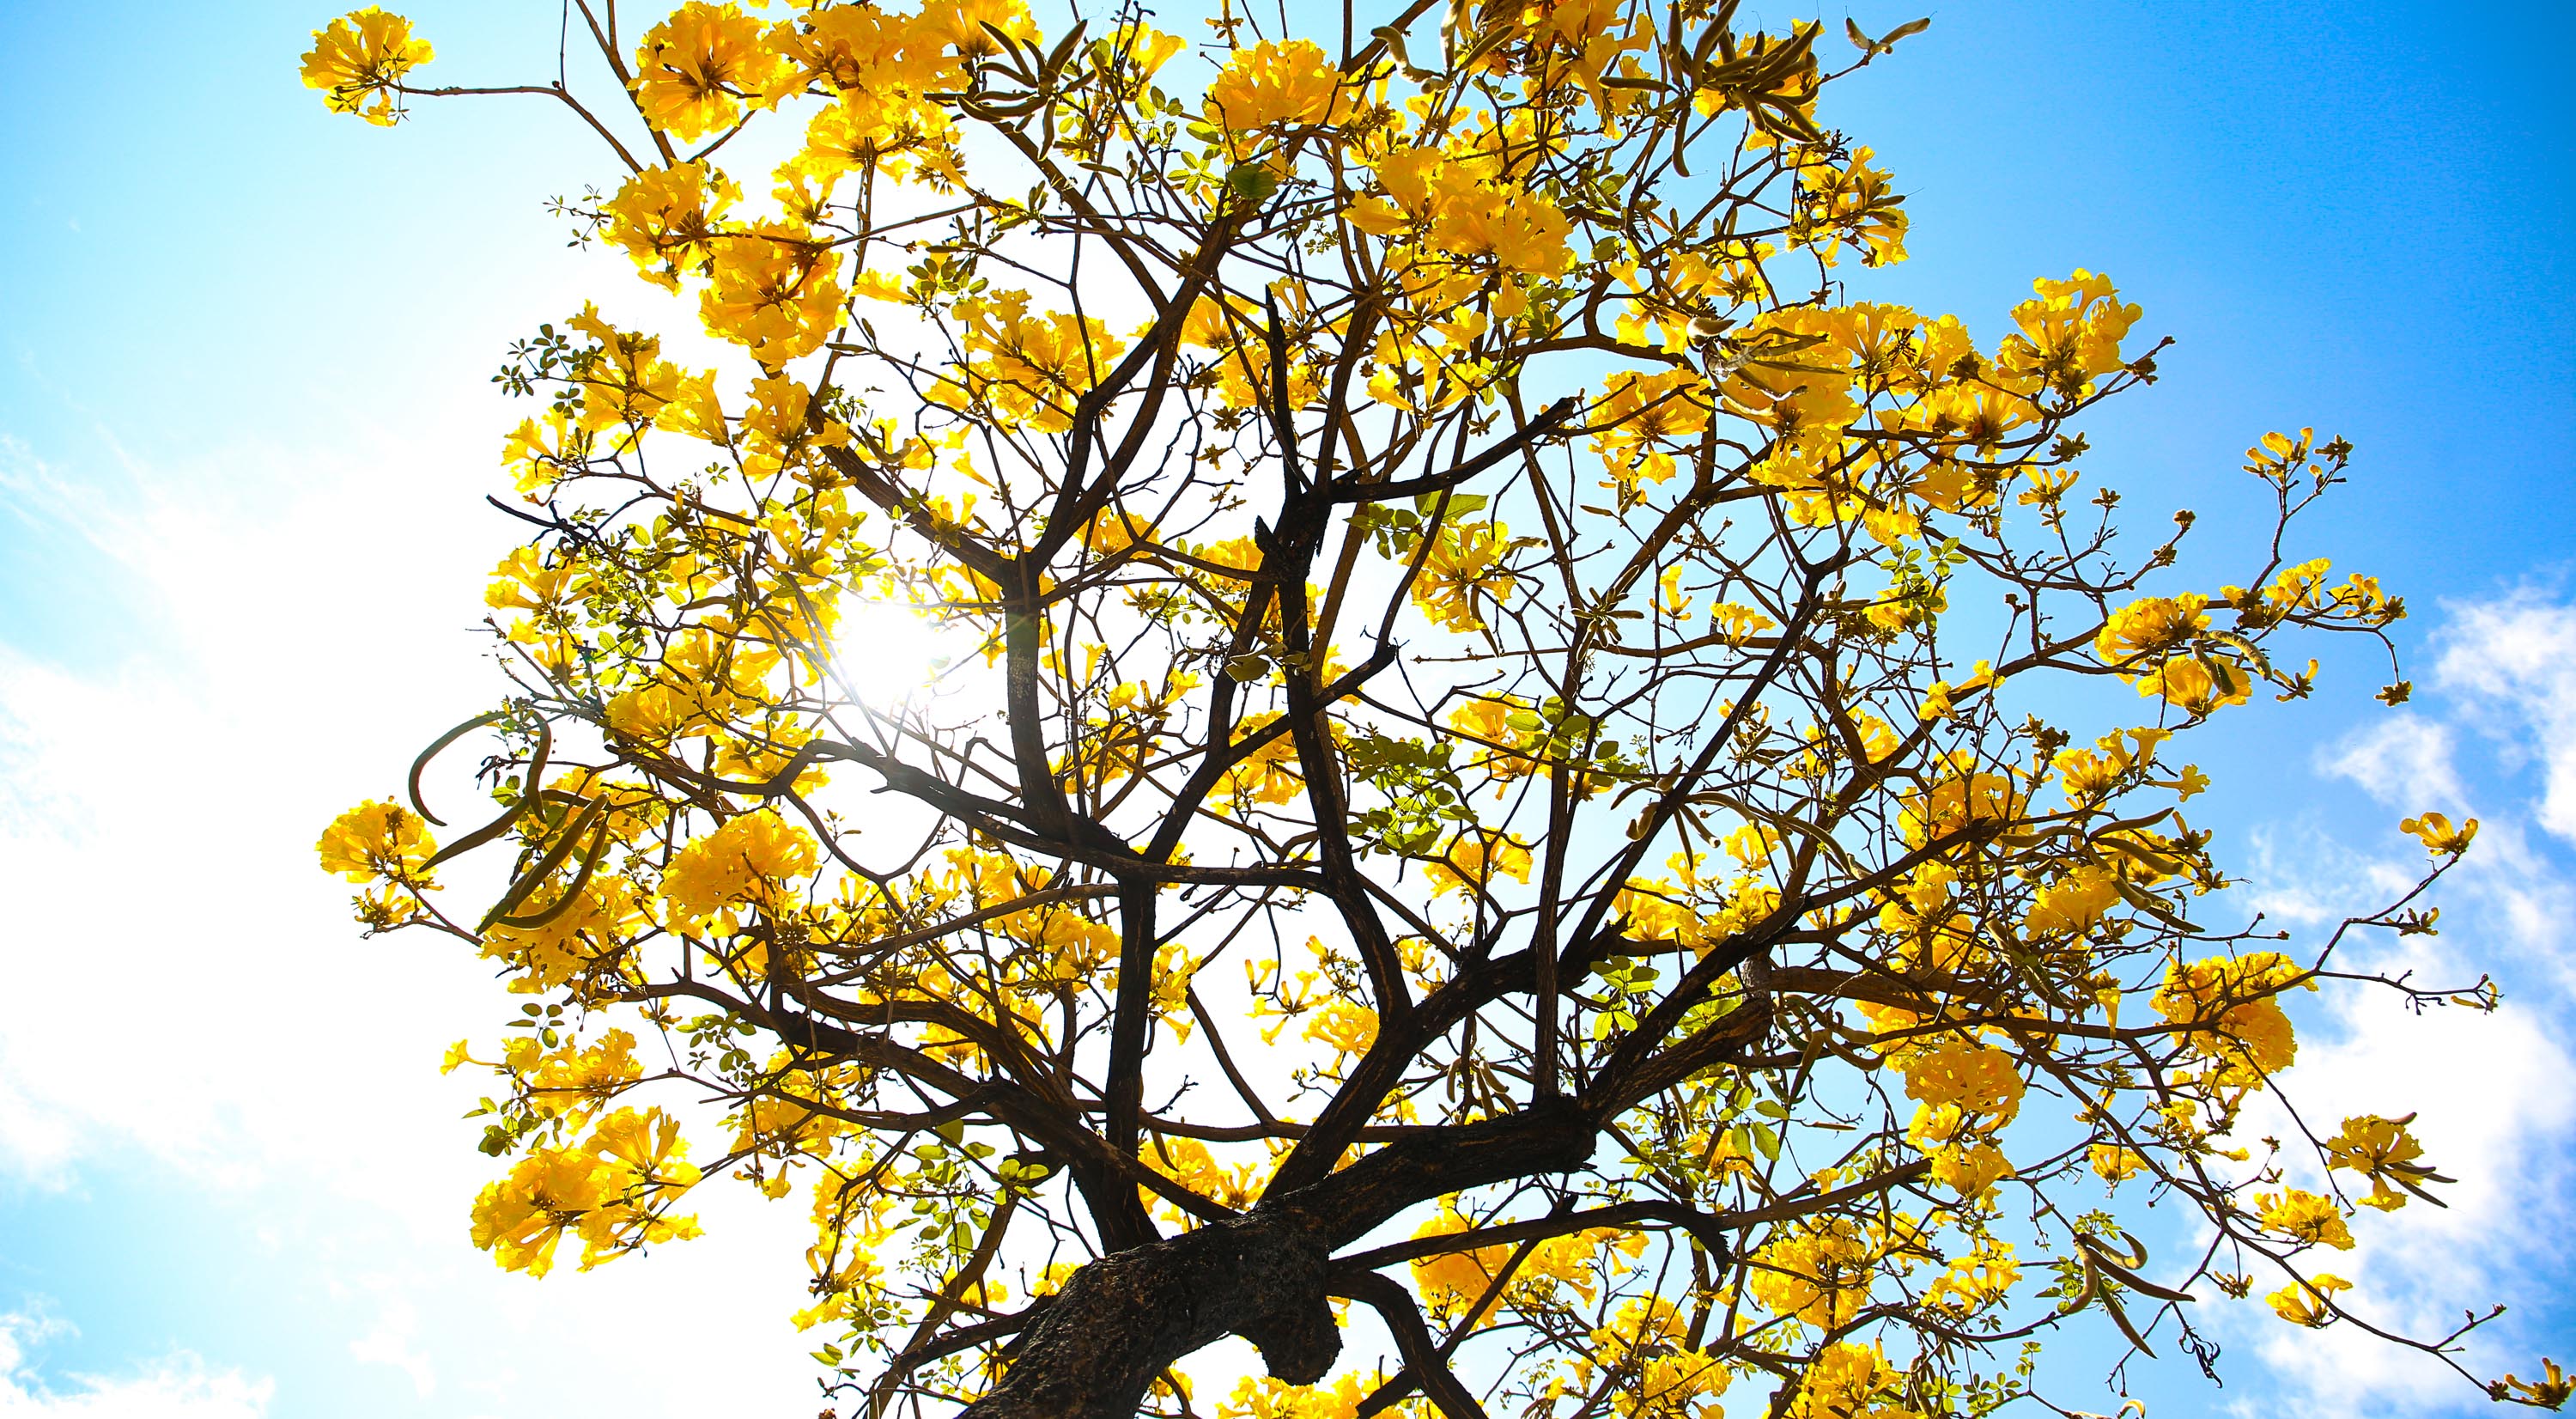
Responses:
[1508,755]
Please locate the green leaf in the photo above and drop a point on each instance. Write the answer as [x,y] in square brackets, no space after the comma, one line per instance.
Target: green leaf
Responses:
[1253,182]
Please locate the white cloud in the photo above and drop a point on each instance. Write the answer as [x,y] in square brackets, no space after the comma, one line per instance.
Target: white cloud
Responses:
[2406,758]
[2518,657]
[189,999]
[2489,1088]
[390,1343]
[177,1387]
[2491,1113]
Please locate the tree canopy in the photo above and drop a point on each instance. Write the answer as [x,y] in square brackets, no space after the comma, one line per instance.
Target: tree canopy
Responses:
[1513,756]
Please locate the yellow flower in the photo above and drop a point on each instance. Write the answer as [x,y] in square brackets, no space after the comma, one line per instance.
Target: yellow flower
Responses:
[2113,1163]
[2148,628]
[2304,1303]
[2229,1000]
[1970,1170]
[2070,335]
[692,68]
[628,382]
[1857,203]
[959,25]
[1976,1281]
[589,929]
[1188,1162]
[664,218]
[2073,903]
[1348,1026]
[579,1080]
[772,292]
[874,131]
[2305,1217]
[1261,1397]
[1960,802]
[359,61]
[1030,369]
[1269,774]
[604,1190]
[2198,683]
[538,452]
[1850,1381]
[859,47]
[1472,859]
[1640,414]
[2381,1149]
[1273,82]
[748,861]
[1647,1340]
[2439,837]
[1462,571]
[2152,641]
[378,839]
[1818,1271]
[1980,1081]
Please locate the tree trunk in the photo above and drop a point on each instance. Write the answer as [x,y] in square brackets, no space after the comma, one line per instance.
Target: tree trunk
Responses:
[1124,1319]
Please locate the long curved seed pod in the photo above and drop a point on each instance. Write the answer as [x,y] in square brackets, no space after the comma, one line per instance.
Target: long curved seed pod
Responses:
[599,837]
[527,795]
[432,752]
[592,812]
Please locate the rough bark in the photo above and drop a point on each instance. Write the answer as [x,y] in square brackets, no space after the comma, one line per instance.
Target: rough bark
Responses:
[1124,1319]
[1127,1317]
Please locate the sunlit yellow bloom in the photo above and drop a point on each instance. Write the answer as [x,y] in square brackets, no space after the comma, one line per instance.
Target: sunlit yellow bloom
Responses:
[1463,571]
[2380,1149]
[875,131]
[2155,643]
[2438,836]
[1348,1026]
[1472,859]
[1273,82]
[1819,1271]
[606,1191]
[772,292]
[2070,336]
[378,839]
[628,381]
[1647,1341]
[1851,1381]
[2231,1000]
[1856,202]
[2113,1163]
[749,861]
[1640,416]
[692,69]
[958,27]
[665,218]
[2305,1303]
[359,61]
[1970,1169]
[1979,1080]
[1031,369]
[1188,1162]
[2074,902]
[2306,1217]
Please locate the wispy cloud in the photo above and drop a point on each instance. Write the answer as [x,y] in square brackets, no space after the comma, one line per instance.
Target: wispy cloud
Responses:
[2494,1110]
[179,1386]
[2512,662]
[189,998]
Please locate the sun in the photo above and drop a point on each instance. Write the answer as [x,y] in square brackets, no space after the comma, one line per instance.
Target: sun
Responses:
[890,653]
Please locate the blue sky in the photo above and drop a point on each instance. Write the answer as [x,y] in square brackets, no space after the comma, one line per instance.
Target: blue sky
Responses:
[244,433]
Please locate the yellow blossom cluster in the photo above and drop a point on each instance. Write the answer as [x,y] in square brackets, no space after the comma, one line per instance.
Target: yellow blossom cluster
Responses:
[2231,1004]
[359,62]
[612,1191]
